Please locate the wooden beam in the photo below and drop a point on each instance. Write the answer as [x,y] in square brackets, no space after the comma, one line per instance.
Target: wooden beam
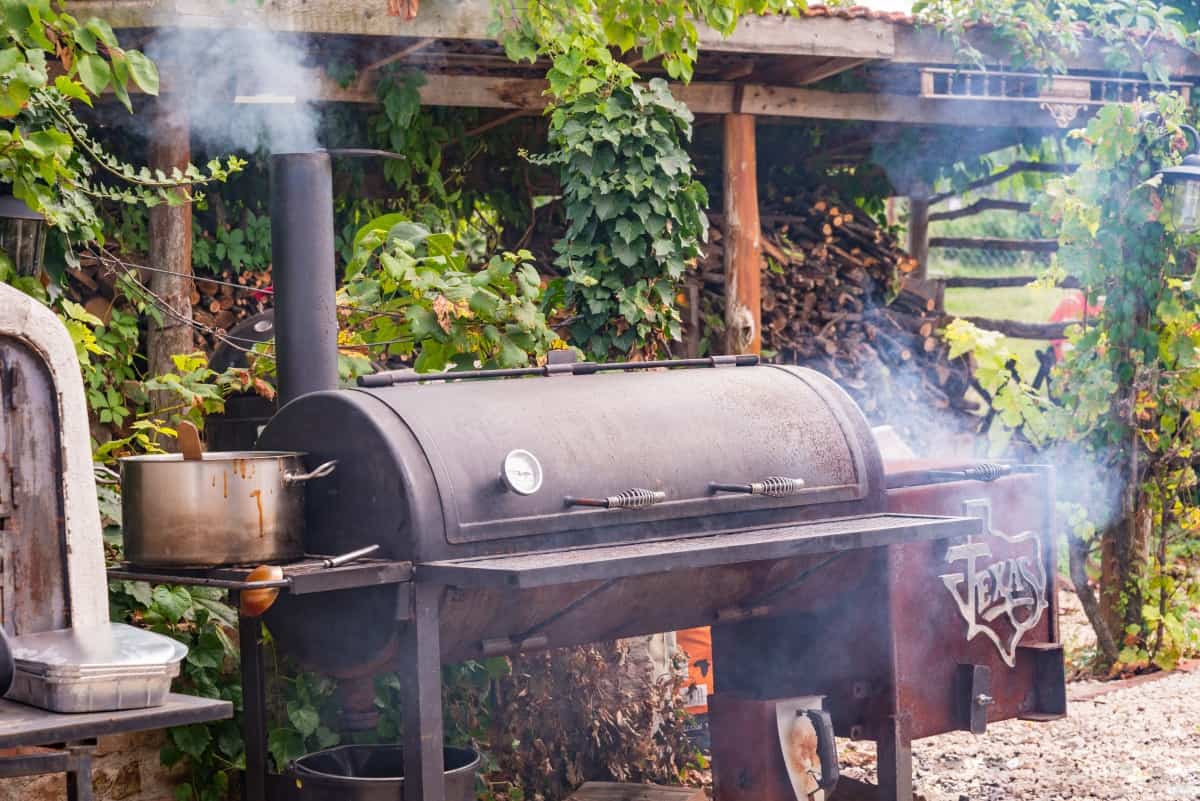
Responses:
[170,238]
[818,72]
[785,101]
[918,229]
[1020,330]
[743,234]
[985,282]
[995,243]
[980,206]
[474,91]
[471,20]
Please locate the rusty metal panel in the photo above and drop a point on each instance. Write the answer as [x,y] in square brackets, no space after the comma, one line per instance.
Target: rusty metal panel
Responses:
[974,601]
[32,545]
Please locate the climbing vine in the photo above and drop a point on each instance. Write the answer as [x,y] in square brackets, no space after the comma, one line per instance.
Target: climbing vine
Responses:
[1122,415]
[1044,35]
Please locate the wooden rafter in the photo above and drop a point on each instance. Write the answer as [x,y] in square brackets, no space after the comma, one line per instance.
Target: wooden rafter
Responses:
[473,91]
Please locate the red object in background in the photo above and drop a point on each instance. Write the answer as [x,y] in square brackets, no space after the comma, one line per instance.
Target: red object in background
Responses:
[1071,308]
[697,644]
[403,8]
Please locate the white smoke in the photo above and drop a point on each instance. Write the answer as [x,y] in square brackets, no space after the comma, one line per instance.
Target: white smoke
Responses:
[241,89]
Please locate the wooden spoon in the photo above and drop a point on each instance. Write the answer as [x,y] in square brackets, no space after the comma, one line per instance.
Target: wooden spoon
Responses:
[189,441]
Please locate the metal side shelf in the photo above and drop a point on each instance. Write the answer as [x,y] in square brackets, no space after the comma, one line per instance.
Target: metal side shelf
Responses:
[618,560]
[301,577]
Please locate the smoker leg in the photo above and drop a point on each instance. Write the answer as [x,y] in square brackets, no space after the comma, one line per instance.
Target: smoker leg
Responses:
[421,673]
[254,706]
[894,760]
[79,770]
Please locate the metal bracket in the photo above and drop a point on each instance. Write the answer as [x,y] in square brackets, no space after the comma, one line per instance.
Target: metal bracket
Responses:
[1049,681]
[973,692]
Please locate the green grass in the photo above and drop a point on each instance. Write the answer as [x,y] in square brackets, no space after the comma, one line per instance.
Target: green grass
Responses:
[1025,304]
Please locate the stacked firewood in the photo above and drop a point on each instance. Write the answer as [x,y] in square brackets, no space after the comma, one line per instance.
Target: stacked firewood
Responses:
[218,302]
[216,308]
[835,298]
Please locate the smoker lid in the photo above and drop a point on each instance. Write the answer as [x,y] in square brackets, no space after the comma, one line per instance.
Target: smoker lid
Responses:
[112,648]
[675,432]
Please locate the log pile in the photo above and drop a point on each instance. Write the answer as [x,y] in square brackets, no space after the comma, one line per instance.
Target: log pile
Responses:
[830,302]
[217,306]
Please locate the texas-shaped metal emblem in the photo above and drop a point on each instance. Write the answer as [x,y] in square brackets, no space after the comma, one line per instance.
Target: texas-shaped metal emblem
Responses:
[1011,589]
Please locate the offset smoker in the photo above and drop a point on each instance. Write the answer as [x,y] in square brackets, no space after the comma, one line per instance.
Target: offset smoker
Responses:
[831,587]
[591,502]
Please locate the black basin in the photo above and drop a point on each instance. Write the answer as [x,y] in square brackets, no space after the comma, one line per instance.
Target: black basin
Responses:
[375,773]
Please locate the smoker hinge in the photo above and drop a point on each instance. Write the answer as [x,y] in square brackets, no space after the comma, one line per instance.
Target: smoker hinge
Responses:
[974,693]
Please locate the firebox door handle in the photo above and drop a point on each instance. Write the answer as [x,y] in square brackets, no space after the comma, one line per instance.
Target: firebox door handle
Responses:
[318,472]
[772,487]
[635,498]
[826,747]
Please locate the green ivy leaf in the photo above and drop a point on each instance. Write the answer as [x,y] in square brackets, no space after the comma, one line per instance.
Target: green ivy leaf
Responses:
[143,71]
[72,89]
[304,718]
[191,740]
[285,745]
[95,73]
[172,602]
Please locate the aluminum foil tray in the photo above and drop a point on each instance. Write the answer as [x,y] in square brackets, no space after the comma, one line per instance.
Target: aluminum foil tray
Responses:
[106,668]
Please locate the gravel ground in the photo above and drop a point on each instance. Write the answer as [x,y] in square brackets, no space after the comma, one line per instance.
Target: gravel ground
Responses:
[1137,743]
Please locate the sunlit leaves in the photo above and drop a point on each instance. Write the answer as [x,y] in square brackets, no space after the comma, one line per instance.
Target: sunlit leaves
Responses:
[422,300]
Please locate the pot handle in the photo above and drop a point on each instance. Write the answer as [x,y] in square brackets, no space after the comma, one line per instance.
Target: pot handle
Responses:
[319,472]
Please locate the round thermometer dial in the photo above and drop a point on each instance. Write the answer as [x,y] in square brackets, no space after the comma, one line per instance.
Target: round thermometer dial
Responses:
[522,473]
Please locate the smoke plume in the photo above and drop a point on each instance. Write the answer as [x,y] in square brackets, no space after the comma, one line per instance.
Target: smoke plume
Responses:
[241,89]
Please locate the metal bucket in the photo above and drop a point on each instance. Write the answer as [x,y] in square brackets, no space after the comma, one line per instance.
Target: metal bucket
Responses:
[375,773]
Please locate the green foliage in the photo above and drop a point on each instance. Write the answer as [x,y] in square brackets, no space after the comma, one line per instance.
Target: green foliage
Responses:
[1128,385]
[656,28]
[422,301]
[1044,35]
[46,153]
[636,215]
[422,136]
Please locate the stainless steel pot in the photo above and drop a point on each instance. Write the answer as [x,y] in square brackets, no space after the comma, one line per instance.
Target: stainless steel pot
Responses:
[239,507]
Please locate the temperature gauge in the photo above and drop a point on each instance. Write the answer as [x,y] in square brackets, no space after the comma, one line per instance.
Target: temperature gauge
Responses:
[522,473]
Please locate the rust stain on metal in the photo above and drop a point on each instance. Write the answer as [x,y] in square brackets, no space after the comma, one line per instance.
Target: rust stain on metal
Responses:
[257,496]
[224,485]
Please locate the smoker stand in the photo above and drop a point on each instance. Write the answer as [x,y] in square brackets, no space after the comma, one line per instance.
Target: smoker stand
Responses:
[71,739]
[306,576]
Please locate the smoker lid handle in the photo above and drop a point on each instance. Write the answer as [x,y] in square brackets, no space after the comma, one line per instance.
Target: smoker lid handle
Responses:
[364,152]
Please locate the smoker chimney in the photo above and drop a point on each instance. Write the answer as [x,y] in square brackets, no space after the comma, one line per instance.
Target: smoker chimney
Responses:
[306,325]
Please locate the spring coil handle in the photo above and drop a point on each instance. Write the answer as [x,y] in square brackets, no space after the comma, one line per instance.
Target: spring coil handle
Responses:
[633,498]
[771,487]
[776,486]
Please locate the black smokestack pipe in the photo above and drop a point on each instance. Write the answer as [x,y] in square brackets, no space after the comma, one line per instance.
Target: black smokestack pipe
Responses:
[306,325]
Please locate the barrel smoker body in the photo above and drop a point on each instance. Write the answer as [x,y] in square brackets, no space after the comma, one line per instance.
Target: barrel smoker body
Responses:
[548,511]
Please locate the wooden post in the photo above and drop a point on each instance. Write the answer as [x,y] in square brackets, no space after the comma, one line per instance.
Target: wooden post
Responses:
[170,234]
[918,229]
[743,233]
